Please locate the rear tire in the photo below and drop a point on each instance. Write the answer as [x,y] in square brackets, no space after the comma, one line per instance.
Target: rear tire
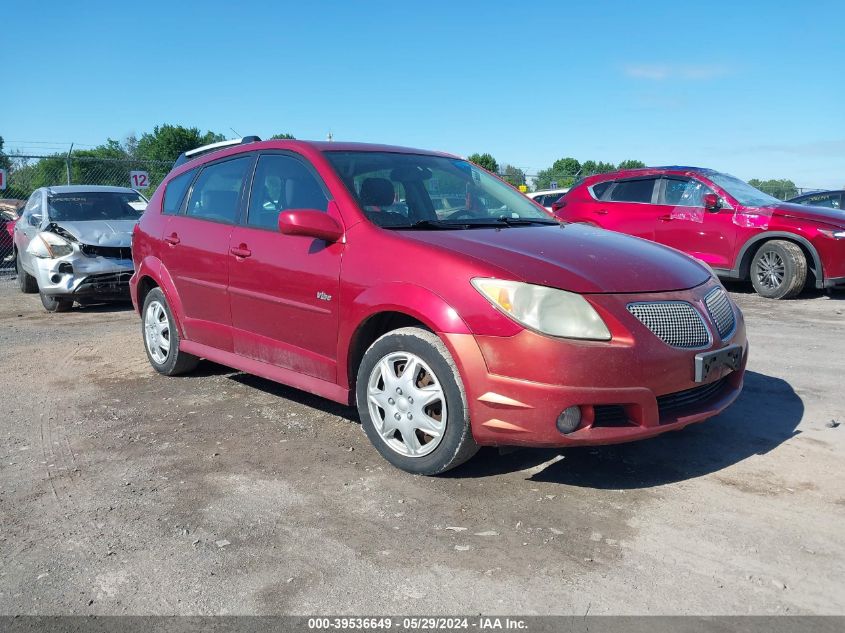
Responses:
[161,337]
[56,304]
[430,435]
[26,282]
[779,270]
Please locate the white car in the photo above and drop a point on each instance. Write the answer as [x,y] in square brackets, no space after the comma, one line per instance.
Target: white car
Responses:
[546,197]
[73,243]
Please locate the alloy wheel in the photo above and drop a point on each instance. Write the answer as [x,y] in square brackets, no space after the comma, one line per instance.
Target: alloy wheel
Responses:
[157,332]
[770,270]
[407,404]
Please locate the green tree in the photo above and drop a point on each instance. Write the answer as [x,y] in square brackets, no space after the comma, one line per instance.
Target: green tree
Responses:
[563,171]
[631,164]
[282,137]
[513,175]
[5,161]
[486,161]
[167,141]
[779,188]
[589,167]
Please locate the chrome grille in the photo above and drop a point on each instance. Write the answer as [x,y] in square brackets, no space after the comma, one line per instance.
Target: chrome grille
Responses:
[676,323]
[719,307]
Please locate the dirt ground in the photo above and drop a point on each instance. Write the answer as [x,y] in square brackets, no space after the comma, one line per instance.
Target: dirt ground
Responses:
[122,491]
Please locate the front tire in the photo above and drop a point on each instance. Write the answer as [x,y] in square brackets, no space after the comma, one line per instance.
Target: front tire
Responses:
[56,304]
[161,337]
[412,404]
[779,270]
[26,282]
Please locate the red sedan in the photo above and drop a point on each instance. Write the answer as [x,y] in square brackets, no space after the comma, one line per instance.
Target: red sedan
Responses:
[741,232]
[325,266]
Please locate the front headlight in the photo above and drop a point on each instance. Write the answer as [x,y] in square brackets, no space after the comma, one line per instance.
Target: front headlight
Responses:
[547,310]
[834,233]
[48,245]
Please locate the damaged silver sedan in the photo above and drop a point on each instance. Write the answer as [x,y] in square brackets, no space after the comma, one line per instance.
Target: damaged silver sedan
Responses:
[72,243]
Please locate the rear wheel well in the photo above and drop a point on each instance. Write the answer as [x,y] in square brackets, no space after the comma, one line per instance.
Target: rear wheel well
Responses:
[745,265]
[144,286]
[369,331]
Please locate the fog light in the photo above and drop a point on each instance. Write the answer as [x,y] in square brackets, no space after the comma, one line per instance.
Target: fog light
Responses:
[569,419]
[55,278]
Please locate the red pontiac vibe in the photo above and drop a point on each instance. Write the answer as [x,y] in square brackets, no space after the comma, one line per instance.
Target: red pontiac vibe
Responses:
[325,267]
[740,231]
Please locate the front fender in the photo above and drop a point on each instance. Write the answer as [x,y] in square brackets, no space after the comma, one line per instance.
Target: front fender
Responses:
[413,300]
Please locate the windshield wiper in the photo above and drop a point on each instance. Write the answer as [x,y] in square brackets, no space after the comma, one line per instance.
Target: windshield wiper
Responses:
[523,221]
[429,224]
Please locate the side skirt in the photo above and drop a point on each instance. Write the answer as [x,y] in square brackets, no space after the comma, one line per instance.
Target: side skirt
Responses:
[294,379]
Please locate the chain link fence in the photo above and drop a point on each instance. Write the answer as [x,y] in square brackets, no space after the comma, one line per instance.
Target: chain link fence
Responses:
[26,173]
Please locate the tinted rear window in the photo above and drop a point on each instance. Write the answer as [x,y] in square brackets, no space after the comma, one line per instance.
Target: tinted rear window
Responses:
[175,192]
[633,190]
[600,188]
[216,193]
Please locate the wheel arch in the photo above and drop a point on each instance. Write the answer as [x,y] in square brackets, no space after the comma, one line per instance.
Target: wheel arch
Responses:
[150,274]
[384,309]
[751,247]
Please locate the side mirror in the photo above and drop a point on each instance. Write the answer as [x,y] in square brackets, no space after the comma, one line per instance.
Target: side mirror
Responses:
[558,204]
[35,219]
[712,202]
[310,223]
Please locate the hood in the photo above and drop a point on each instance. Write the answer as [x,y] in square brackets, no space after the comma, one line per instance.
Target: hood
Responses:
[818,214]
[575,257]
[101,232]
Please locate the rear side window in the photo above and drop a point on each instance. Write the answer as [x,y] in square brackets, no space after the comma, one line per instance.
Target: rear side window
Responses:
[601,188]
[282,182]
[175,192]
[633,190]
[217,191]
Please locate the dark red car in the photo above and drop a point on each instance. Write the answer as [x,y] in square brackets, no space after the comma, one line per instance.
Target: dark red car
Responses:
[9,213]
[325,266]
[741,232]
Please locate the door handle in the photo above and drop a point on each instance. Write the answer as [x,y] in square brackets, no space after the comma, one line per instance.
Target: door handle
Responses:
[172,239]
[665,218]
[600,212]
[240,251]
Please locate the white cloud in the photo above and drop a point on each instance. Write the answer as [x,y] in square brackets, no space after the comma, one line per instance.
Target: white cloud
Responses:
[661,72]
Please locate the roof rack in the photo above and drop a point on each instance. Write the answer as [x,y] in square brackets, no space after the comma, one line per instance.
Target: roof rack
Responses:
[191,154]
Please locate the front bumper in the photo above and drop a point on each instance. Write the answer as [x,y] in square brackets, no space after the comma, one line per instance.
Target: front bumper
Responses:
[632,387]
[80,276]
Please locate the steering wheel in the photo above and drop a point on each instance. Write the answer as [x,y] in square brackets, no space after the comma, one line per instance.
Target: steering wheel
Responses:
[461,214]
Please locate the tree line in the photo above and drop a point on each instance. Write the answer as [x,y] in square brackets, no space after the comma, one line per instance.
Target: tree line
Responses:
[155,152]
[566,171]
[108,163]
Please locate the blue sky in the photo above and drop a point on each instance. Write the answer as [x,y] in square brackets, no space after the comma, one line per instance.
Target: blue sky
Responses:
[756,90]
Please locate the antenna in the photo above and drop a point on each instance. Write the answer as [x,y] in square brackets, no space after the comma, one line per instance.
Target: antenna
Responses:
[233,129]
[329,137]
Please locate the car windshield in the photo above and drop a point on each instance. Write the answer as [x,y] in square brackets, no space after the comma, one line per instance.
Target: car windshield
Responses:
[401,191]
[744,193]
[95,205]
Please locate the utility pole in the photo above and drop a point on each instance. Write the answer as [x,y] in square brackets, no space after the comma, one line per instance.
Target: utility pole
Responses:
[67,162]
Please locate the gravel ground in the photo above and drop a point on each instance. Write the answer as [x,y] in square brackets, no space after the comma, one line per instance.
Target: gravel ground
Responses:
[122,491]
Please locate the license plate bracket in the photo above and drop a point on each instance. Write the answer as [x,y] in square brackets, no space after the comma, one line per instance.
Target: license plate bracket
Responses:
[709,363]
